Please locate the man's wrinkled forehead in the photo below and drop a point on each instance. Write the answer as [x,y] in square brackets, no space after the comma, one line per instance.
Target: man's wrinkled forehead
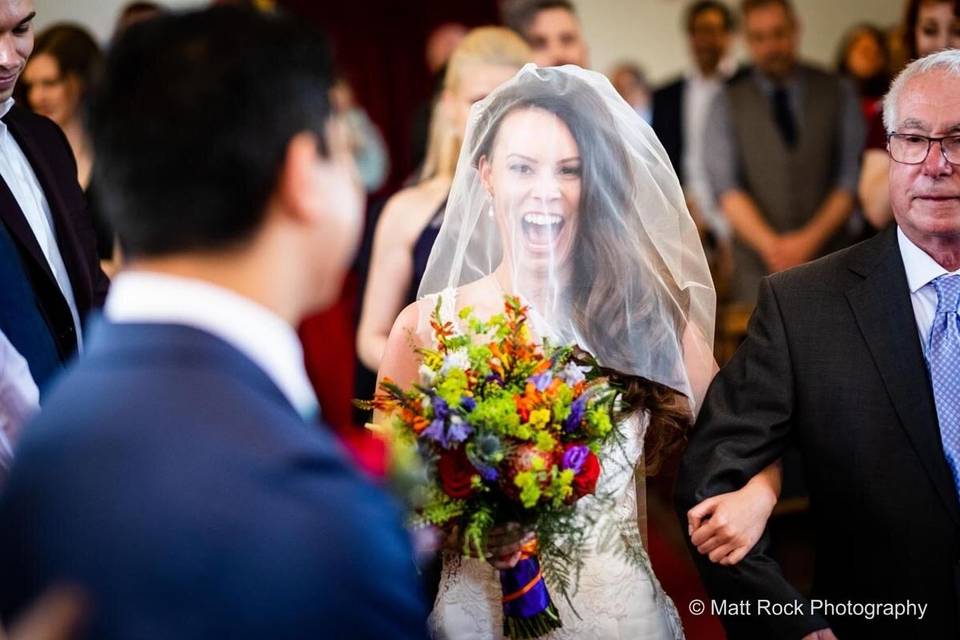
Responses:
[930,103]
[15,13]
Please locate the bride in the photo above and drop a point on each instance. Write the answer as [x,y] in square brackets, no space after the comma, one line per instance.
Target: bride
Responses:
[564,197]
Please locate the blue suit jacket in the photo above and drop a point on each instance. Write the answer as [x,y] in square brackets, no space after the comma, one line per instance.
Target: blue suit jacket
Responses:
[170,478]
[34,315]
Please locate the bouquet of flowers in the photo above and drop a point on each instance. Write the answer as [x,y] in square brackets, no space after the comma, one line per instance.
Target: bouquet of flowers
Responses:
[510,430]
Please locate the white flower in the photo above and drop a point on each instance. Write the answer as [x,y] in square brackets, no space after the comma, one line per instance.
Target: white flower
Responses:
[458,359]
[572,373]
[427,376]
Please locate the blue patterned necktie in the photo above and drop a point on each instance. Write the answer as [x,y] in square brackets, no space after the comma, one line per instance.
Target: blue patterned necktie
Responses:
[943,358]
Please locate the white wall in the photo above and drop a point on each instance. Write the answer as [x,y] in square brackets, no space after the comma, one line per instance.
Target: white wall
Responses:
[650,31]
[98,16]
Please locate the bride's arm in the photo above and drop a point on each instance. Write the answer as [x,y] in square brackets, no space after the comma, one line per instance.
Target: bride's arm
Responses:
[400,362]
[726,526]
[699,362]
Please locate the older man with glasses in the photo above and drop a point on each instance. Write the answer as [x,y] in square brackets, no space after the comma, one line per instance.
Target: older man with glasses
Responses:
[856,358]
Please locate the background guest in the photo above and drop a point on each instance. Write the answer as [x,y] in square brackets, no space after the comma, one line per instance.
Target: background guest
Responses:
[363,138]
[631,83]
[551,28]
[441,42]
[680,110]
[781,152]
[863,57]
[65,63]
[929,26]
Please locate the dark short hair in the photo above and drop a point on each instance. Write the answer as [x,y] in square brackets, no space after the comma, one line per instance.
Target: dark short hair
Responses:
[702,6]
[520,14]
[746,6]
[192,120]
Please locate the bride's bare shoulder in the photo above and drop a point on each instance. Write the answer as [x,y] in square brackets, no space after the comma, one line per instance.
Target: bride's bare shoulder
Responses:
[399,361]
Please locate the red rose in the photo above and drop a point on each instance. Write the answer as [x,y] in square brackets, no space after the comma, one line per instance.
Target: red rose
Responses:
[456,473]
[585,482]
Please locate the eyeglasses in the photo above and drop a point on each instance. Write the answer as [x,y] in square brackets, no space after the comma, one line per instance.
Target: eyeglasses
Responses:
[912,148]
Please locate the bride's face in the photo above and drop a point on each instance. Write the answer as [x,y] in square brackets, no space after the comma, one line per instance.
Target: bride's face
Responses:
[534,178]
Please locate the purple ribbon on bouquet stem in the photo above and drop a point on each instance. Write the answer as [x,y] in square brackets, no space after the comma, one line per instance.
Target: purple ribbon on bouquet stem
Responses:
[528,611]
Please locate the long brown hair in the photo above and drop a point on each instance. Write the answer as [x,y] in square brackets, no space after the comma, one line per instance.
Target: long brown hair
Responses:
[912,17]
[597,307]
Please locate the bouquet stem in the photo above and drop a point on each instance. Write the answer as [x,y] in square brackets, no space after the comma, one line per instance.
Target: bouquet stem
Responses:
[528,611]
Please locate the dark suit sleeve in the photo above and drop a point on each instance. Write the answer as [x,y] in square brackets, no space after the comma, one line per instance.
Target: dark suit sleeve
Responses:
[82,224]
[744,425]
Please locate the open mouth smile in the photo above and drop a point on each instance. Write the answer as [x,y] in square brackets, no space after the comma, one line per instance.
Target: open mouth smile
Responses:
[541,229]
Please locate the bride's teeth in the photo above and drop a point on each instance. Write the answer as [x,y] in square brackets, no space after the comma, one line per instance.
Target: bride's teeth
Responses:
[542,219]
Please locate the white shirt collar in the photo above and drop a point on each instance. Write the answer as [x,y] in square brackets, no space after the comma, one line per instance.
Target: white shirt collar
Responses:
[257,332]
[5,106]
[920,267]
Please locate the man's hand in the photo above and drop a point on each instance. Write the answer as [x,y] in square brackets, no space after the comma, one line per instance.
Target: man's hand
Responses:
[822,634]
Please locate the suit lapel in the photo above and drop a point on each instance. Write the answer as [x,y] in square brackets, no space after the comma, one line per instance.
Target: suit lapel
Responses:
[16,222]
[67,242]
[884,313]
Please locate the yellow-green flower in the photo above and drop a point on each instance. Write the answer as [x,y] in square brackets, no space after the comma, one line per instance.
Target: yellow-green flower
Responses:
[539,418]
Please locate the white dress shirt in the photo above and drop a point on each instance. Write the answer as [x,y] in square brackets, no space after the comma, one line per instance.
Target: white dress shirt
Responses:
[19,400]
[699,93]
[254,330]
[22,181]
[921,271]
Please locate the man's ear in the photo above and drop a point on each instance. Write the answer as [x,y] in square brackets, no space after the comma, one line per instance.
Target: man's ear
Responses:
[297,187]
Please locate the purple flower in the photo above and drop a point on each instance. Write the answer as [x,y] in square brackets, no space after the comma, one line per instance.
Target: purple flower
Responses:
[493,377]
[458,431]
[468,404]
[440,408]
[542,381]
[577,409]
[574,457]
[436,432]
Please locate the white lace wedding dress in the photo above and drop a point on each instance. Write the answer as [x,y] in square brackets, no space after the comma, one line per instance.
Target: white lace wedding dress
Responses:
[615,599]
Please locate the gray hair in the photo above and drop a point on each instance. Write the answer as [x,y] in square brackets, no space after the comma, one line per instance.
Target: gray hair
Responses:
[947,60]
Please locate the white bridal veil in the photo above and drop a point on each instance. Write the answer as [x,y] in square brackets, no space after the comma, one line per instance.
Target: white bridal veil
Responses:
[565,197]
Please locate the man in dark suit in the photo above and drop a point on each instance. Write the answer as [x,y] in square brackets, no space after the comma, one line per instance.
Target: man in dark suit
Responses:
[680,106]
[48,260]
[854,358]
[679,111]
[176,474]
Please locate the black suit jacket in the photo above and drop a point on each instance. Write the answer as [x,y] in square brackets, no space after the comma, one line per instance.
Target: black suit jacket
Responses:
[833,362]
[668,121]
[48,152]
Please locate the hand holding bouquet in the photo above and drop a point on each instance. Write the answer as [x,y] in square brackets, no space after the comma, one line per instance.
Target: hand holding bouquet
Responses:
[510,430]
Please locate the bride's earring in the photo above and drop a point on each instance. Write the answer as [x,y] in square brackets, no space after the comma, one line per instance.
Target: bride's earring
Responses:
[488,204]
